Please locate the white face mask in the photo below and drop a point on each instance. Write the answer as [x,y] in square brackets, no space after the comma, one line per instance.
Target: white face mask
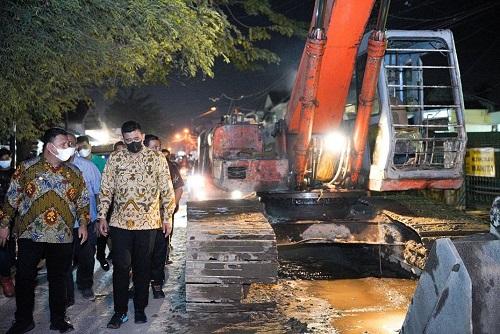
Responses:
[64,154]
[85,152]
[5,164]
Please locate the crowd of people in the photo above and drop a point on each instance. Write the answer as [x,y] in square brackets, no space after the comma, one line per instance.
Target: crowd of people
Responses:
[66,205]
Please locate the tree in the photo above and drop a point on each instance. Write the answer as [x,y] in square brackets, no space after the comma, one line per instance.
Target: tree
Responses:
[131,104]
[52,52]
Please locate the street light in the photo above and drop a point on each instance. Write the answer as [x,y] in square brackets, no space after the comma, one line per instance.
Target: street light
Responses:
[177,136]
[186,130]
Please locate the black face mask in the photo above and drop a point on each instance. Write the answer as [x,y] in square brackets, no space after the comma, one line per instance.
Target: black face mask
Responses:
[134,146]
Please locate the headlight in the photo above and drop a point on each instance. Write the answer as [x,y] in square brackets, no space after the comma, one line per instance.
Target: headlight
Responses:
[195,182]
[200,195]
[236,194]
[335,142]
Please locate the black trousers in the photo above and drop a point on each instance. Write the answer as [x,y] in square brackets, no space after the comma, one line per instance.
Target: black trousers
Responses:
[132,249]
[160,255]
[7,257]
[83,260]
[101,247]
[58,261]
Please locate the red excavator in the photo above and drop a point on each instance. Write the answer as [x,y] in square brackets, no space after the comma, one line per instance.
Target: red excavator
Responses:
[370,118]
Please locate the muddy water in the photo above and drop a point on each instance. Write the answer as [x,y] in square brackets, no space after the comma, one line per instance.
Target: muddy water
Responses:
[365,305]
[363,293]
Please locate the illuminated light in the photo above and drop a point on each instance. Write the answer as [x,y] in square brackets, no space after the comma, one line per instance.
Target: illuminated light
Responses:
[236,194]
[335,142]
[101,136]
[186,130]
[195,182]
[200,195]
[177,136]
[213,108]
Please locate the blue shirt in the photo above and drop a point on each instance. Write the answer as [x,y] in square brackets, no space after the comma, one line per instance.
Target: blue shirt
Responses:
[92,178]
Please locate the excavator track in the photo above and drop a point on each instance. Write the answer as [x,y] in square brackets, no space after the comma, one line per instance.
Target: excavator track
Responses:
[231,253]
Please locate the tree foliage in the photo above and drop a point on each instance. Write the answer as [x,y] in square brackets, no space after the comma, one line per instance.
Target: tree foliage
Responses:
[53,51]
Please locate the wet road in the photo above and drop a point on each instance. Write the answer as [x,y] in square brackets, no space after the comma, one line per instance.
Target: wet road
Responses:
[313,296]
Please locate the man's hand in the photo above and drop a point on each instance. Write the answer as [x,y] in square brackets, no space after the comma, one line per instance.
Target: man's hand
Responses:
[4,236]
[103,227]
[167,227]
[82,234]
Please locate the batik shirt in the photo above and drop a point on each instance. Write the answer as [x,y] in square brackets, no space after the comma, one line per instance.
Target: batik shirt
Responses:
[138,185]
[47,201]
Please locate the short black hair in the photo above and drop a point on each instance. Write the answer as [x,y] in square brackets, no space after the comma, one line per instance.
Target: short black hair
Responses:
[130,126]
[148,138]
[118,143]
[83,139]
[4,151]
[50,134]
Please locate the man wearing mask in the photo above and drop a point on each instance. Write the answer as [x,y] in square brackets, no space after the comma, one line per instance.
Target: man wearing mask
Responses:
[46,195]
[137,181]
[83,255]
[85,151]
[161,249]
[7,252]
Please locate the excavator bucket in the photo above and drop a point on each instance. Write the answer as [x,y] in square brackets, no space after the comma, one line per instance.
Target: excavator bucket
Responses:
[458,291]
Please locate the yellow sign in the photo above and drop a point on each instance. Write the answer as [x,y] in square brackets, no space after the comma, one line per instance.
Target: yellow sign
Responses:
[480,162]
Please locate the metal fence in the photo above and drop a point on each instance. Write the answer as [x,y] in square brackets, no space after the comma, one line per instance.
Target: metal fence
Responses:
[481,191]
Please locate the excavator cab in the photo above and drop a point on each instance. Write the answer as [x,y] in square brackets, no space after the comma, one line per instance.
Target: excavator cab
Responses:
[420,140]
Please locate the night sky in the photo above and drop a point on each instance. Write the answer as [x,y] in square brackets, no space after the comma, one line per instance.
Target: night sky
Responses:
[474,24]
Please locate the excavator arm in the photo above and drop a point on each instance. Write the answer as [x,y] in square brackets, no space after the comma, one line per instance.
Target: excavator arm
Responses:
[318,100]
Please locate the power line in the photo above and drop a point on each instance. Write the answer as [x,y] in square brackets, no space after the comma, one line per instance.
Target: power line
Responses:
[255,94]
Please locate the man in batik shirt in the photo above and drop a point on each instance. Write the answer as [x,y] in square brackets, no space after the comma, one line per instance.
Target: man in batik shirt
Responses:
[46,196]
[137,181]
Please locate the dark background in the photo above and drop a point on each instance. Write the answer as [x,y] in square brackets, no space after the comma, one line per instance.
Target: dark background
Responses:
[166,109]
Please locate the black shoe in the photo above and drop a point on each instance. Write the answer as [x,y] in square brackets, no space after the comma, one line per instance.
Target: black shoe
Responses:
[62,326]
[157,291]
[20,327]
[87,293]
[104,264]
[117,320]
[140,317]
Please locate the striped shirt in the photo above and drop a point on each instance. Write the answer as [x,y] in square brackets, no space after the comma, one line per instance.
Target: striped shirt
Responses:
[92,178]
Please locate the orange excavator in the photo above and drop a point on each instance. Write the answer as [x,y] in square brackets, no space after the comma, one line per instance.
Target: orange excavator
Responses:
[372,118]
[369,113]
